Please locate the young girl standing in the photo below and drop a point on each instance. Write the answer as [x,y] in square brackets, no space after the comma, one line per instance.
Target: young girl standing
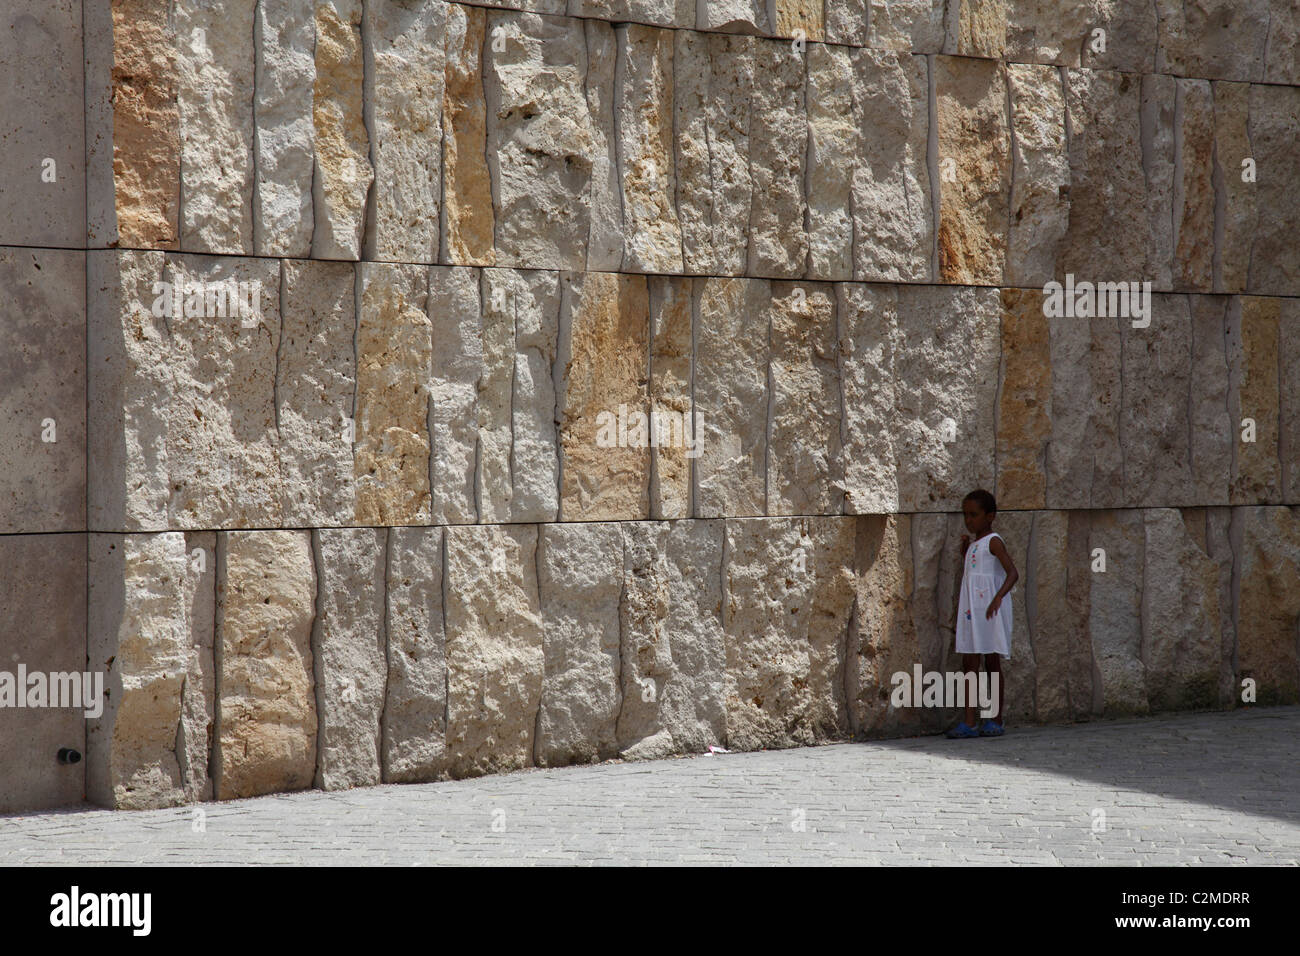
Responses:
[983,618]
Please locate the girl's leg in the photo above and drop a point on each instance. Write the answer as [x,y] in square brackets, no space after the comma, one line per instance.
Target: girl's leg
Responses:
[993,665]
[970,664]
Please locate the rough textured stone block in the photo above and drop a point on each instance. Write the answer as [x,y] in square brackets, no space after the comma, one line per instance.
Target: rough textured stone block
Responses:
[974,169]
[1057,609]
[580,583]
[671,646]
[1288,442]
[414,724]
[731,396]
[735,16]
[1267,543]
[846,21]
[199,693]
[456,317]
[671,404]
[1282,58]
[916,26]
[467,216]
[348,652]
[832,145]
[664,13]
[1040,177]
[868,330]
[1217,39]
[342,174]
[494,648]
[44,201]
[1194,195]
[394,345]
[778,141]
[404,90]
[1115,617]
[977,27]
[946,380]
[805,467]
[1274,129]
[1024,414]
[43,403]
[1063,32]
[1237,199]
[803,19]
[266,697]
[1253,348]
[789,593]
[1211,432]
[601,88]
[1084,459]
[601,384]
[285,142]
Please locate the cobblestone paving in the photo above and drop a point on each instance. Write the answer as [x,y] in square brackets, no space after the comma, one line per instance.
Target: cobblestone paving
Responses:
[1218,788]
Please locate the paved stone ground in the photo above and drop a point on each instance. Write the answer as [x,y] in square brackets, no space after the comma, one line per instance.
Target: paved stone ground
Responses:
[1218,788]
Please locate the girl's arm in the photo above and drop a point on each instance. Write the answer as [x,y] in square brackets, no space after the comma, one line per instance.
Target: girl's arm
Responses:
[999,550]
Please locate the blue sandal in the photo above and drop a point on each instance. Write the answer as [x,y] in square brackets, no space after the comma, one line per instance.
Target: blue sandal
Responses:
[991,729]
[961,732]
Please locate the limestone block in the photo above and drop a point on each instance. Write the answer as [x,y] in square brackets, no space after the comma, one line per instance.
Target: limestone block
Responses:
[266,696]
[1239,210]
[868,329]
[974,169]
[43,403]
[1084,459]
[846,21]
[1221,525]
[223,458]
[1040,179]
[915,26]
[1253,348]
[602,397]
[946,379]
[711,100]
[214,77]
[805,467]
[494,648]
[1274,128]
[735,16]
[138,640]
[314,387]
[342,174]
[978,27]
[44,136]
[533,6]
[1211,431]
[731,396]
[541,139]
[832,144]
[1058,618]
[1115,622]
[394,345]
[647,173]
[664,13]
[1268,602]
[1282,49]
[456,316]
[403,43]
[493,405]
[778,140]
[1064,33]
[1194,196]
[1180,616]
[671,377]
[1288,442]
[414,723]
[43,604]
[1024,415]
[198,695]
[788,598]
[801,19]
[284,146]
[671,647]
[602,89]
[1159,126]
[467,223]
[1216,39]
[580,583]
[349,654]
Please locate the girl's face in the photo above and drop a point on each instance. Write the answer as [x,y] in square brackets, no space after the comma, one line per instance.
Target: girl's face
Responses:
[978,520]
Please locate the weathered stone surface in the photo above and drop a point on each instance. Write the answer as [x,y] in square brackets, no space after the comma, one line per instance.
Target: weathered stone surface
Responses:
[223,458]
[671,377]
[802,19]
[1237,214]
[456,316]
[1024,414]
[974,169]
[846,21]
[348,651]
[778,140]
[314,388]
[1274,130]
[138,635]
[601,88]
[1211,432]
[199,693]
[1180,616]
[1084,459]
[664,13]
[832,143]
[494,648]
[731,396]
[1159,127]
[946,379]
[892,194]
[868,330]
[1288,441]
[580,582]
[414,724]
[734,16]
[285,142]
[1282,49]
[1115,617]
[404,90]
[342,173]
[394,344]
[43,403]
[1063,32]
[977,27]
[1194,196]
[541,140]
[602,397]
[1268,602]
[467,218]
[533,6]
[266,698]
[915,26]
[1221,526]
[44,591]
[671,647]
[1217,39]
[1253,348]
[43,140]
[1040,177]
[786,609]
[214,75]
[647,173]
[805,467]
[1058,619]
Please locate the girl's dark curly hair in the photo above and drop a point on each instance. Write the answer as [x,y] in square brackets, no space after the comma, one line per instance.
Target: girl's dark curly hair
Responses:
[984,499]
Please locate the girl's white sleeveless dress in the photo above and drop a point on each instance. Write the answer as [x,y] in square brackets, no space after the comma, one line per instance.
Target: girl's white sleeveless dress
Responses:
[982,576]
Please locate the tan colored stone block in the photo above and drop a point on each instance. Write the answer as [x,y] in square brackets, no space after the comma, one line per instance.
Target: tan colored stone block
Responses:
[1216,39]
[1194,195]
[1211,432]
[671,378]
[199,693]
[778,150]
[1085,464]
[981,27]
[1024,402]
[1253,350]
[343,174]
[468,223]
[1040,179]
[1238,198]
[1268,602]
[1288,442]
[804,19]
[1115,623]
[832,144]
[909,26]
[1274,266]
[1058,615]
[868,330]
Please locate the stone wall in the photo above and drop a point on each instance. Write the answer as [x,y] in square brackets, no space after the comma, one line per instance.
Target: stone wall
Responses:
[318,311]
